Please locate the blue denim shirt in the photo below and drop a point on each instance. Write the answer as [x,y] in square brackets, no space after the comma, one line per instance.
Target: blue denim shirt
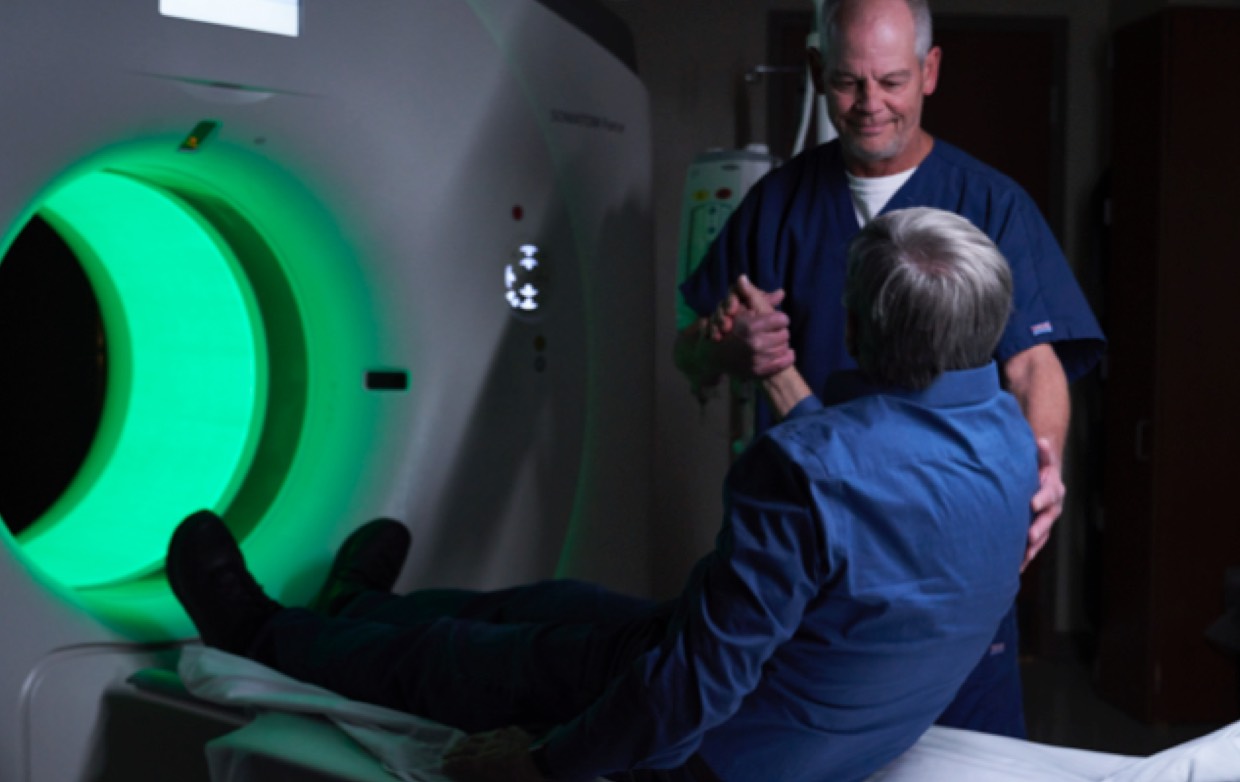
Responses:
[868,551]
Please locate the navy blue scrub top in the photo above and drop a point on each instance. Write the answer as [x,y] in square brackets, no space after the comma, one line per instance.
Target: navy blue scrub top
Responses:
[793,229]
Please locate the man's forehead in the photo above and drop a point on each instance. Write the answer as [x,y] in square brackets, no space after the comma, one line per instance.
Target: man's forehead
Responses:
[872,63]
[873,50]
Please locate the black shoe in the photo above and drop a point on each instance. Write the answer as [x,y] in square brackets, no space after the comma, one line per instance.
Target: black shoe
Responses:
[370,559]
[208,575]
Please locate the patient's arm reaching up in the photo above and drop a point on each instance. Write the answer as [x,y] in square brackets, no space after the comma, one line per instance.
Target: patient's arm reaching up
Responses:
[785,388]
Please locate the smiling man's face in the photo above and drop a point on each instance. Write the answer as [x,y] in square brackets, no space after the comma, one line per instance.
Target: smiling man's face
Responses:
[875,87]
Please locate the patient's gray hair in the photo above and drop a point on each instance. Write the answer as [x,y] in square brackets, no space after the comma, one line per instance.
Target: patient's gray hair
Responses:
[929,293]
[828,26]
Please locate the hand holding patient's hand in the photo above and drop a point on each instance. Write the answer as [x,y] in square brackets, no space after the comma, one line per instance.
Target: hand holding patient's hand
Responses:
[722,319]
[752,334]
[495,756]
[754,299]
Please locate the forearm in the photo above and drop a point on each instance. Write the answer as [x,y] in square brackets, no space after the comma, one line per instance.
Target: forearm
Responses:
[784,390]
[1037,380]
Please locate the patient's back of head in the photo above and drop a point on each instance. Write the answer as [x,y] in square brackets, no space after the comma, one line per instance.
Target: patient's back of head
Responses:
[927,293]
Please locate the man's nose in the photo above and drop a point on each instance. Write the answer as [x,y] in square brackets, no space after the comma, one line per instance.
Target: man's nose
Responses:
[867,98]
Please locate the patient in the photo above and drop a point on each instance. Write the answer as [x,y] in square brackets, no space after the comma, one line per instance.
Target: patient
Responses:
[868,549]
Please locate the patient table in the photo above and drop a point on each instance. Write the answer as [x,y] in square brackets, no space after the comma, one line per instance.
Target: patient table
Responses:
[302,733]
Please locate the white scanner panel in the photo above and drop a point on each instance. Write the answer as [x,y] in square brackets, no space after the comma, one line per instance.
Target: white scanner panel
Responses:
[376,176]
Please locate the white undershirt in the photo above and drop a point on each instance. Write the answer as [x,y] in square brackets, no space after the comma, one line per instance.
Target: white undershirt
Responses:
[871,194]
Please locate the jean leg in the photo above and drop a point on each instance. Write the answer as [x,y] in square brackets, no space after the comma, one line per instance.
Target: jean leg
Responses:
[469,674]
[560,600]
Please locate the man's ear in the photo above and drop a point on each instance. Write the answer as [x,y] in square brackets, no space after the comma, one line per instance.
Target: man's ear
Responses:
[815,69]
[930,71]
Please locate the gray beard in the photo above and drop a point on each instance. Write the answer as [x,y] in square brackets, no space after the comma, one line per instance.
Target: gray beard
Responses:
[856,152]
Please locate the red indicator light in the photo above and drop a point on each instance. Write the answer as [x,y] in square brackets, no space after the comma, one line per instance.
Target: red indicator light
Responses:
[198,136]
[723,193]
[517,212]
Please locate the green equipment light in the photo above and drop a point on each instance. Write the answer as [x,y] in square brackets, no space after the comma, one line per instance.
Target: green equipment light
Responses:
[186,379]
[239,324]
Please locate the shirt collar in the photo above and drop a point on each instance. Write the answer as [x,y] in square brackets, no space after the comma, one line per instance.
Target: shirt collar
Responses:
[959,387]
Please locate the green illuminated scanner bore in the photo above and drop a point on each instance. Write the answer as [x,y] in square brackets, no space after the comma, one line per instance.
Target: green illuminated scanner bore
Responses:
[186,379]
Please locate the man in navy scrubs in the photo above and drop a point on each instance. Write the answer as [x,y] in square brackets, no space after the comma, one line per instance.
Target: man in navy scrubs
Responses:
[791,235]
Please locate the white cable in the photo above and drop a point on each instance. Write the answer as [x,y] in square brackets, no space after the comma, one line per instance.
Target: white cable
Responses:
[807,106]
[826,130]
[813,108]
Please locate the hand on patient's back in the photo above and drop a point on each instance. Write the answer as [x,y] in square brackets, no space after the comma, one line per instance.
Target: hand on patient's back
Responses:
[1047,504]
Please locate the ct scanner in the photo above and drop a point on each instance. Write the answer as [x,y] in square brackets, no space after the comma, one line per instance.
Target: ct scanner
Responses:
[395,264]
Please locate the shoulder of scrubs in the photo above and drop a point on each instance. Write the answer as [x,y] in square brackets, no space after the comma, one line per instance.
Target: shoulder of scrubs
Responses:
[748,242]
[1048,304]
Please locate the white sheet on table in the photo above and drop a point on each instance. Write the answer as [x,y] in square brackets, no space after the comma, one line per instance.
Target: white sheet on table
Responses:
[966,756]
[409,747]
[949,755]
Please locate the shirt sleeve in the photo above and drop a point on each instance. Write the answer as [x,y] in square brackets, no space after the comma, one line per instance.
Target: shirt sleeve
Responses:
[1049,306]
[742,602]
[807,406]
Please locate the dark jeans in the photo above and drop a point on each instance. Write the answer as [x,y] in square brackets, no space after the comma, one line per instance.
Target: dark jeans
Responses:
[536,655]
[990,699]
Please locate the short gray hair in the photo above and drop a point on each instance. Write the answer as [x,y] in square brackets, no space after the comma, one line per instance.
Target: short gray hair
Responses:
[929,293]
[923,26]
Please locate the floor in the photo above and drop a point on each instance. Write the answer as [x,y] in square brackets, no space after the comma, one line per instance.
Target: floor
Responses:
[1062,707]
